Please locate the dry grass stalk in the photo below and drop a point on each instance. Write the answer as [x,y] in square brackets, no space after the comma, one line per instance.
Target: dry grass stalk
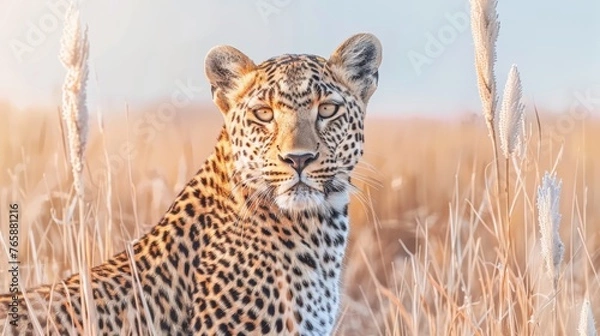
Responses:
[74,55]
[484,29]
[548,205]
[510,125]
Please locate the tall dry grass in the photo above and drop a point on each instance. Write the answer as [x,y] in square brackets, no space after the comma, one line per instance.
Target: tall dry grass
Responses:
[73,55]
[441,267]
[424,256]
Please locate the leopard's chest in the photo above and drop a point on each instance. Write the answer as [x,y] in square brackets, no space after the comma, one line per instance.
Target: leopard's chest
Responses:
[281,281]
[315,273]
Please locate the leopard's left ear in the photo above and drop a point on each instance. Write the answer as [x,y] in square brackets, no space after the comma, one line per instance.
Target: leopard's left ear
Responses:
[357,60]
[224,68]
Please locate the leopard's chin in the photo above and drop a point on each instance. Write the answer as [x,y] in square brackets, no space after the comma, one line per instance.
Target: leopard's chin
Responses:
[300,198]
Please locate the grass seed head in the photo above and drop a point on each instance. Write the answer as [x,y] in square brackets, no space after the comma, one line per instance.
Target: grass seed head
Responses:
[484,28]
[586,326]
[73,55]
[510,121]
[548,203]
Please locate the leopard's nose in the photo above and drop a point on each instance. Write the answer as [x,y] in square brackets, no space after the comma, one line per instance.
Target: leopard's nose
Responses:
[299,161]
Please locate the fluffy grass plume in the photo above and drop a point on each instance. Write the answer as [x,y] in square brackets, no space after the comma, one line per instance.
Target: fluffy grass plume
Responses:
[548,204]
[484,28]
[74,55]
[586,326]
[510,121]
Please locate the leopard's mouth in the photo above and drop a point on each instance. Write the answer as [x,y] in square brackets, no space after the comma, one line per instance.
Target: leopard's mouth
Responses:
[301,196]
[301,187]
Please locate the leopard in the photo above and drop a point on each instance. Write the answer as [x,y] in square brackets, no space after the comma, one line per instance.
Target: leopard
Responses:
[255,242]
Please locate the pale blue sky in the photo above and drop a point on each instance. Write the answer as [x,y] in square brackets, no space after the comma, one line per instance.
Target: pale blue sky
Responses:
[141,49]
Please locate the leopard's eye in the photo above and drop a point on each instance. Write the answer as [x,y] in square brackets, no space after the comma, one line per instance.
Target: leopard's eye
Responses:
[328,110]
[263,114]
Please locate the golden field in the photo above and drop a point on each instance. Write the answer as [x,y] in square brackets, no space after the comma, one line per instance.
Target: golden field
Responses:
[425,255]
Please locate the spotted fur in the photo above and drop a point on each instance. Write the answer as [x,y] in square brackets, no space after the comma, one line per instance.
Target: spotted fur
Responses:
[254,244]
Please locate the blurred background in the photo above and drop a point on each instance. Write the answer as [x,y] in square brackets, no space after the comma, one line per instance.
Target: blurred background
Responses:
[141,49]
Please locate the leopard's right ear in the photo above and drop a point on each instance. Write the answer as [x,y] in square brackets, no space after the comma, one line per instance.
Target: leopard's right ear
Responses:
[357,60]
[224,66]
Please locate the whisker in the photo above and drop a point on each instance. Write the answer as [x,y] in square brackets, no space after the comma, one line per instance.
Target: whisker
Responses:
[376,184]
[366,165]
[243,182]
[362,199]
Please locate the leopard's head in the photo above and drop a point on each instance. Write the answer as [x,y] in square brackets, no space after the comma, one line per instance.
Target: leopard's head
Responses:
[296,122]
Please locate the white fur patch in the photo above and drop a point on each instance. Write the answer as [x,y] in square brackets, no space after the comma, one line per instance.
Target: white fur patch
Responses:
[301,199]
[338,200]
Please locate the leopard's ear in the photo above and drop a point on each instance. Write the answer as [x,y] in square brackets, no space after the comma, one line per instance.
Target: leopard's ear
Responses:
[357,60]
[224,66]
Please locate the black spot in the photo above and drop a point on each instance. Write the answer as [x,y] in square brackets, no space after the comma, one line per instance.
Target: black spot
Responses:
[223,328]
[279,325]
[265,327]
[189,210]
[249,326]
[266,291]
[165,326]
[234,294]
[173,315]
[288,243]
[226,302]
[197,324]
[208,321]
[259,273]
[265,231]
[308,260]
